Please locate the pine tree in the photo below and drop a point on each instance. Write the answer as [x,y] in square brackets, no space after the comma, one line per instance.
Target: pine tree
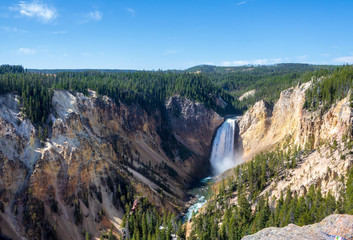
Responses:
[348,202]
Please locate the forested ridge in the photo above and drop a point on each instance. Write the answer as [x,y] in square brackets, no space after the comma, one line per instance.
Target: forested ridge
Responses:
[268,81]
[329,88]
[151,88]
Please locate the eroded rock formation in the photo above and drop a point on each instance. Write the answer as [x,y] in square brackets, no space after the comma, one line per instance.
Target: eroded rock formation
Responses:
[79,179]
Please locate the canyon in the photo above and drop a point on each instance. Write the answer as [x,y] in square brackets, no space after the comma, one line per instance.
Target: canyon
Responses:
[98,153]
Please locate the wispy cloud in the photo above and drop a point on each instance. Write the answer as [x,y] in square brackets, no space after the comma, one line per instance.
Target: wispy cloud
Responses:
[347,59]
[95,15]
[37,10]
[26,51]
[59,32]
[131,11]
[302,57]
[242,3]
[12,29]
[84,53]
[252,62]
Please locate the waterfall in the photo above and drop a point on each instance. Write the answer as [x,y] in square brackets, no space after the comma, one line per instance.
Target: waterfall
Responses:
[222,155]
[222,158]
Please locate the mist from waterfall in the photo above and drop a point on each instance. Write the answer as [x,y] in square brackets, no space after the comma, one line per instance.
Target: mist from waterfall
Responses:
[223,155]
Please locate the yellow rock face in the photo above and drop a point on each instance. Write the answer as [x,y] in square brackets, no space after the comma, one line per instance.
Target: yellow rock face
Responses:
[287,124]
[263,127]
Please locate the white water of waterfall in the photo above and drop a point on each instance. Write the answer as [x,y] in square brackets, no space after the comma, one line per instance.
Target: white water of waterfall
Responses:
[222,155]
[222,158]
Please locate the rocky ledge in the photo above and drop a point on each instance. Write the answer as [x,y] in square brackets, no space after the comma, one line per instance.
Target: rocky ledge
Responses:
[332,227]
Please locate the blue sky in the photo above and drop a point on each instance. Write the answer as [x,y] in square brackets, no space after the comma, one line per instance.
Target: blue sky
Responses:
[174,34]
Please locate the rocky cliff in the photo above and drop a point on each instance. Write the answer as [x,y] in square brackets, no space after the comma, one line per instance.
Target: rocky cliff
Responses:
[287,125]
[264,126]
[97,154]
[332,227]
[188,120]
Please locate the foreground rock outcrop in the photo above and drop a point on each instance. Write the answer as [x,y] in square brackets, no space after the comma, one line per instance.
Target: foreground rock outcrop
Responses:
[331,227]
[96,155]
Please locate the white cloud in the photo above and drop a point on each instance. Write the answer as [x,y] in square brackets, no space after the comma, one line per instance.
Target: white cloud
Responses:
[303,57]
[26,51]
[131,11]
[95,15]
[84,53]
[235,63]
[208,63]
[242,3]
[252,62]
[347,59]
[37,10]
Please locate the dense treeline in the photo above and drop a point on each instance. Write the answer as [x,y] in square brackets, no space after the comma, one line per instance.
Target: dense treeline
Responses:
[11,69]
[329,89]
[143,222]
[35,91]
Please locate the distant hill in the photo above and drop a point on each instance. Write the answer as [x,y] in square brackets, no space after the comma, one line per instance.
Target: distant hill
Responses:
[298,67]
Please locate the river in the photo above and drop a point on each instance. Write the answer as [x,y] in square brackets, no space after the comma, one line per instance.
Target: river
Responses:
[202,193]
